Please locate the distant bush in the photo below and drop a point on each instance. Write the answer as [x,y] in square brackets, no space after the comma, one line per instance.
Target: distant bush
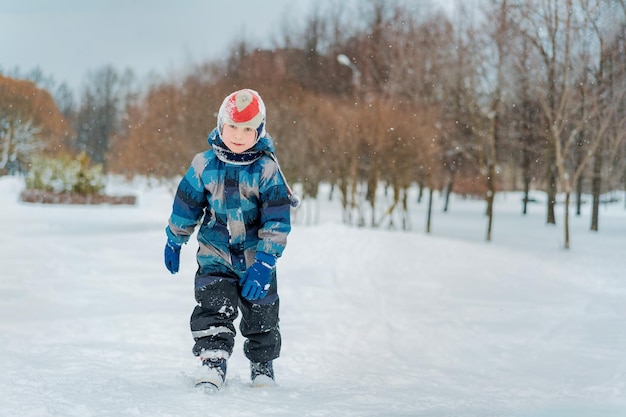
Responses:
[65,174]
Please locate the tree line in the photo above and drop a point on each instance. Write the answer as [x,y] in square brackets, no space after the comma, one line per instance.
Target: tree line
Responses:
[511,95]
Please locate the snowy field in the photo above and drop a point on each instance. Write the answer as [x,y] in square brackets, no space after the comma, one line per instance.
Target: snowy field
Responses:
[374,322]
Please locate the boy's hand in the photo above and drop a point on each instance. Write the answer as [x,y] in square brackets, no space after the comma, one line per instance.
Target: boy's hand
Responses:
[172,256]
[256,280]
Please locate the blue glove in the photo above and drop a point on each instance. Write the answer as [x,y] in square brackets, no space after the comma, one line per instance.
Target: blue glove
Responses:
[172,256]
[256,280]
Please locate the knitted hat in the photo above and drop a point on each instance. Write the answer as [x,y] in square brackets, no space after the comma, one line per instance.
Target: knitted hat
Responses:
[243,108]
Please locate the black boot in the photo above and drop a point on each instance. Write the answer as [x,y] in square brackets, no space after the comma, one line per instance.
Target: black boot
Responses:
[262,374]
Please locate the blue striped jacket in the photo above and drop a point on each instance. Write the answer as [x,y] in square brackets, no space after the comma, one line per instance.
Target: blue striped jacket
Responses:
[239,208]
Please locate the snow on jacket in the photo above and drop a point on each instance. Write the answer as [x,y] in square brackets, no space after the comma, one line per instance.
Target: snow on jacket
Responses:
[239,207]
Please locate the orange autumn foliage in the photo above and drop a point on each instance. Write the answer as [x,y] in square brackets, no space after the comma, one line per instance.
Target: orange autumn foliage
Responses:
[22,101]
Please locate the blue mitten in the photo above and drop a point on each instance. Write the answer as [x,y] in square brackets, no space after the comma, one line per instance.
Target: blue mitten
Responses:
[256,280]
[172,256]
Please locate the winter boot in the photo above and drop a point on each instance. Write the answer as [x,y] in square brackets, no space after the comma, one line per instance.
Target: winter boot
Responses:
[212,373]
[262,374]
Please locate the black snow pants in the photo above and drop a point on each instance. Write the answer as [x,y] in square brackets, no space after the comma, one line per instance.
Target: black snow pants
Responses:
[212,321]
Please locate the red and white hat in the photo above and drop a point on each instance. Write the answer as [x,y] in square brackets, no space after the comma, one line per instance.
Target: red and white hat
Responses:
[243,108]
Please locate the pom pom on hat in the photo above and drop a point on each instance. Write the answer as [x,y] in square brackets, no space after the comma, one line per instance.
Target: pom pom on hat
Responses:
[243,108]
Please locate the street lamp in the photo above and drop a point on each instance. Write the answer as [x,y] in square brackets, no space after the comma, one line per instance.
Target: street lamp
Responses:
[356,74]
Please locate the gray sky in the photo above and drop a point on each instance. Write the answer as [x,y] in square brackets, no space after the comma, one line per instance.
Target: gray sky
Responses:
[68,38]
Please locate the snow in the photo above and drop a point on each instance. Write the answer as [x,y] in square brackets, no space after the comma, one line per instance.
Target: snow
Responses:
[374,322]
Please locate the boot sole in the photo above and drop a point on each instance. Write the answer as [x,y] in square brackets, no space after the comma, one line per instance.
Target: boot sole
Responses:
[263,381]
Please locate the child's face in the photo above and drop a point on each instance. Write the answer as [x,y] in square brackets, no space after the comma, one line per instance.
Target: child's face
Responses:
[238,139]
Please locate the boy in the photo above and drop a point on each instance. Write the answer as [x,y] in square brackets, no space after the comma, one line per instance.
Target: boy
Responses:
[238,196]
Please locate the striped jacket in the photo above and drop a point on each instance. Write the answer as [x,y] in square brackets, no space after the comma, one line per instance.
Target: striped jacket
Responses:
[240,208]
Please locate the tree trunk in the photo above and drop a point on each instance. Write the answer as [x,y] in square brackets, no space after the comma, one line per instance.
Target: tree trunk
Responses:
[420,193]
[491,172]
[448,191]
[567,197]
[406,220]
[526,179]
[354,182]
[370,193]
[343,189]
[430,207]
[490,197]
[551,219]
[579,194]
[596,186]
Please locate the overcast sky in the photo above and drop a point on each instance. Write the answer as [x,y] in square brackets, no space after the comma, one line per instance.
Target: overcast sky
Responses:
[68,38]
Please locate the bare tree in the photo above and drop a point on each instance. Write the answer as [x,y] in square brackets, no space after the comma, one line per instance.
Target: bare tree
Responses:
[556,29]
[496,50]
[605,27]
[101,111]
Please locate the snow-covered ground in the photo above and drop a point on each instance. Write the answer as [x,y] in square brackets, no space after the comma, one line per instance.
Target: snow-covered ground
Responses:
[374,322]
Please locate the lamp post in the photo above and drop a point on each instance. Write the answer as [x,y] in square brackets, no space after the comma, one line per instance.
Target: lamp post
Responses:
[356,74]
[356,83]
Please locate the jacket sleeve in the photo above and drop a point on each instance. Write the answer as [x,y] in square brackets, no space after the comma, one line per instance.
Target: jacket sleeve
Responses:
[275,211]
[189,203]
